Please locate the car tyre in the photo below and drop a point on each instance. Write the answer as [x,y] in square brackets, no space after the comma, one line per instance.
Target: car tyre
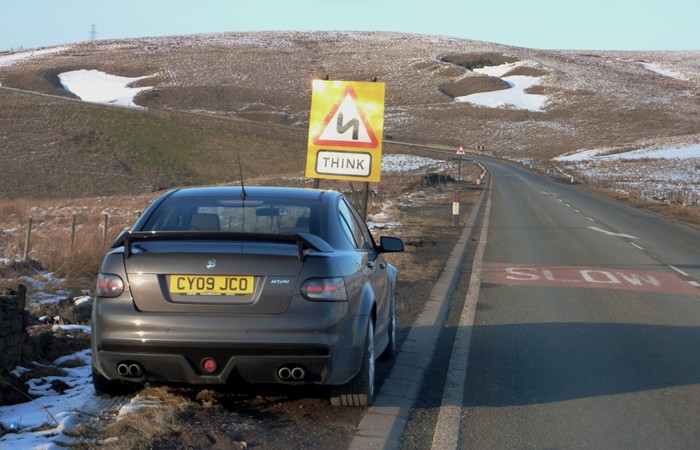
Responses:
[110,388]
[361,390]
[390,350]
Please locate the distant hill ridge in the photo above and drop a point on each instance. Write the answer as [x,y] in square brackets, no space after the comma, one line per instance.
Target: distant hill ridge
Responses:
[218,95]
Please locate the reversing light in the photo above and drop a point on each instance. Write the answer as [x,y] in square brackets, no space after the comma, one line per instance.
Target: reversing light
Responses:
[109,285]
[325,289]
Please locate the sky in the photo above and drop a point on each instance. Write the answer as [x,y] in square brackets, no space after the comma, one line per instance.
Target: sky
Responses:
[541,24]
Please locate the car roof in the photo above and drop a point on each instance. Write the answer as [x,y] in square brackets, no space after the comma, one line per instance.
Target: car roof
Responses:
[254,191]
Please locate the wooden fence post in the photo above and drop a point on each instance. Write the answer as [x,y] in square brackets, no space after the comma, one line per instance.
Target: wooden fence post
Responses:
[72,231]
[28,240]
[104,232]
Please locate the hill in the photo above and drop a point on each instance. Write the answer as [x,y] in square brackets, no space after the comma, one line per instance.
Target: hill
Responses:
[215,96]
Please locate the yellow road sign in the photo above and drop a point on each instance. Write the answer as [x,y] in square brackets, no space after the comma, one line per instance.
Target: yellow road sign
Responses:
[345,130]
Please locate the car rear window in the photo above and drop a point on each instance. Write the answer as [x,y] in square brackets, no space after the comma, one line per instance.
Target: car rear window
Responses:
[254,215]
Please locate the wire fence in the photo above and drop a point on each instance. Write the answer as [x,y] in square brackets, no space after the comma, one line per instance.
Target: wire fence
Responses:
[27,248]
[683,197]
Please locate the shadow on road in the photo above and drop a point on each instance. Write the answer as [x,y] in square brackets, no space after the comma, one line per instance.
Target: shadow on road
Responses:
[522,364]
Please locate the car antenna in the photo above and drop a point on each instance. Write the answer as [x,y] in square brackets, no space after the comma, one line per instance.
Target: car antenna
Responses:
[240,168]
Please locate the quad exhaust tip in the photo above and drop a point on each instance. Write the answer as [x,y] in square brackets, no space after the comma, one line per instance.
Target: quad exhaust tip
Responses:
[131,370]
[291,373]
[298,373]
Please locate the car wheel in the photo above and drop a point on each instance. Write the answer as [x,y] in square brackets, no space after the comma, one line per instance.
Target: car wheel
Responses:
[360,391]
[111,388]
[390,350]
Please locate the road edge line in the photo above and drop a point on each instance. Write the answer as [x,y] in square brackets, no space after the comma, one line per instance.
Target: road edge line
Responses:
[447,428]
[383,424]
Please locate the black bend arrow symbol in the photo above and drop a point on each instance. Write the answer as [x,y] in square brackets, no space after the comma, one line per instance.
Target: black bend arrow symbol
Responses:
[342,128]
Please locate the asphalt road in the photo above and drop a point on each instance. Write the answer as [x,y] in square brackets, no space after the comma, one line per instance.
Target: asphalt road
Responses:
[586,332]
[587,327]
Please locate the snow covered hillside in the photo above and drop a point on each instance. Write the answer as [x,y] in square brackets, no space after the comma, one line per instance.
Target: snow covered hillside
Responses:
[513,102]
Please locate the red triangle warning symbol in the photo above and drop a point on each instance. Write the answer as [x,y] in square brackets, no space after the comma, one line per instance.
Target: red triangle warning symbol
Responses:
[346,125]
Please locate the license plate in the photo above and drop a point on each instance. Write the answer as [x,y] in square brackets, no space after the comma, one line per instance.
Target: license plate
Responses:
[211,284]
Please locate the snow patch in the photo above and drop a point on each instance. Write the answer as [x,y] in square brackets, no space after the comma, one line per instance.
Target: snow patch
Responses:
[669,173]
[406,163]
[12,58]
[677,152]
[99,87]
[41,422]
[663,72]
[515,96]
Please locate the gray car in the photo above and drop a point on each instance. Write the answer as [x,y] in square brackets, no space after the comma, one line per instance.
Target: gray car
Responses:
[223,285]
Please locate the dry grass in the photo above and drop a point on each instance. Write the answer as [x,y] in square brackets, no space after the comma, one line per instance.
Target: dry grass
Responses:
[479,60]
[527,71]
[166,419]
[425,214]
[50,241]
[149,425]
[90,150]
[156,425]
[206,86]
[473,85]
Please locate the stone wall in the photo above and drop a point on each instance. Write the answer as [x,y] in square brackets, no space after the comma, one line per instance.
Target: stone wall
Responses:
[13,325]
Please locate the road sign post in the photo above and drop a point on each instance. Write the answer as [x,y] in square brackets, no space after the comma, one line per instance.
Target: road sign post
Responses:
[460,152]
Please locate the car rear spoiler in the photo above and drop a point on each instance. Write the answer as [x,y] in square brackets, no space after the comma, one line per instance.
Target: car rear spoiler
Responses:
[305,242]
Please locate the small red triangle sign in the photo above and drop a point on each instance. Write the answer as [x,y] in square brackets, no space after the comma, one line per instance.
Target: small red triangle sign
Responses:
[346,125]
[460,151]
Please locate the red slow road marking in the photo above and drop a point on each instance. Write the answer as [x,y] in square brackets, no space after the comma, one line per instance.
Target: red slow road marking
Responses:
[586,277]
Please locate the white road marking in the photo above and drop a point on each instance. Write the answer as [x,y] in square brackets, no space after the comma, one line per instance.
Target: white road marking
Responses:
[628,236]
[591,219]
[694,283]
[636,246]
[447,427]
[685,274]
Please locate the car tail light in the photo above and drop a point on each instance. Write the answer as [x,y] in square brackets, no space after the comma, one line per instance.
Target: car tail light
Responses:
[325,289]
[109,285]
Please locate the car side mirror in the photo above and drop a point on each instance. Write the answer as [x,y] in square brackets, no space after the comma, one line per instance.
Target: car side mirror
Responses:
[389,244]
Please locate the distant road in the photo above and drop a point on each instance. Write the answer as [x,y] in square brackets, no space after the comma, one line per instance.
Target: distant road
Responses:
[587,327]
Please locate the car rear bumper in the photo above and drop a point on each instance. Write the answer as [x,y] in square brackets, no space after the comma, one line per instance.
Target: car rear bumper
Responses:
[179,365]
[316,338]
